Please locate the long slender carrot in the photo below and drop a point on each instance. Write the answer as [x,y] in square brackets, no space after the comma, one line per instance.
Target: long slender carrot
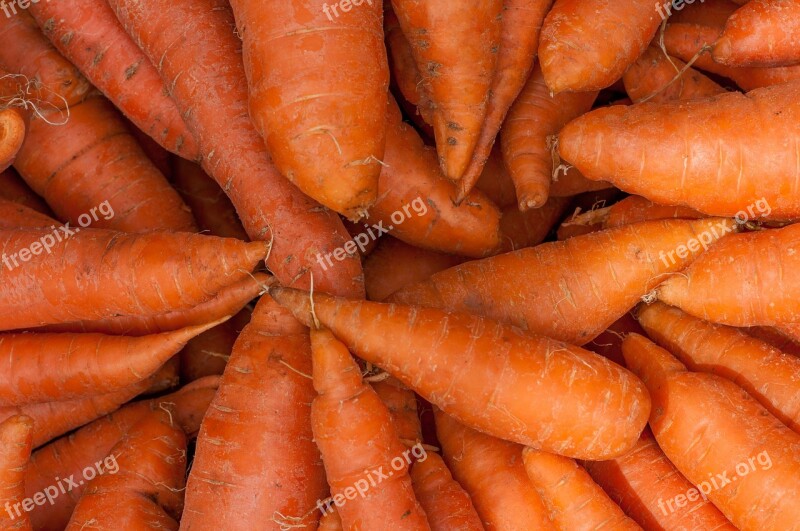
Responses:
[761,33]
[446,504]
[643,479]
[405,74]
[575,52]
[534,117]
[146,491]
[16,215]
[570,298]
[456,51]
[770,376]
[632,209]
[776,338]
[531,227]
[651,78]
[14,189]
[471,351]
[255,452]
[492,473]
[148,273]
[710,428]
[12,134]
[199,59]
[16,436]
[573,500]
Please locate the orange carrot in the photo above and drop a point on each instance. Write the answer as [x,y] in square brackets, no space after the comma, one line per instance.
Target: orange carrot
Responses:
[573,500]
[706,13]
[492,472]
[632,209]
[770,376]
[570,182]
[14,189]
[651,78]
[609,343]
[147,273]
[456,51]
[403,339]
[331,521]
[776,338]
[12,134]
[575,52]
[405,73]
[16,215]
[710,428]
[761,33]
[495,181]
[402,405]
[255,452]
[15,450]
[525,140]
[208,353]
[570,298]
[446,503]
[531,227]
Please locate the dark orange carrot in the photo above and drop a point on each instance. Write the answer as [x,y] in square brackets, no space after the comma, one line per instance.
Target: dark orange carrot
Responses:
[776,338]
[761,33]
[531,227]
[609,343]
[16,434]
[632,209]
[208,353]
[651,78]
[14,189]
[495,181]
[405,74]
[570,182]
[402,405]
[446,503]
[16,215]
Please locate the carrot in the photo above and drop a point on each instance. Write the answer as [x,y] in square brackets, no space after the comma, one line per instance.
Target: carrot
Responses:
[575,52]
[681,168]
[531,227]
[527,153]
[12,134]
[52,81]
[632,209]
[756,293]
[651,78]
[492,473]
[148,273]
[573,500]
[495,181]
[643,479]
[404,72]
[519,40]
[570,298]
[403,339]
[709,427]
[160,157]
[456,51]
[707,13]
[145,491]
[255,453]
[396,264]
[444,501]
[402,405]
[770,376]
[776,338]
[331,521]
[15,451]
[208,353]
[609,343]
[569,182]
[16,215]
[761,33]
[14,189]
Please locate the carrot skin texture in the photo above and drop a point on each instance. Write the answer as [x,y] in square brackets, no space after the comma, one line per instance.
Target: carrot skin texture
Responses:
[761,33]
[16,436]
[749,150]
[446,503]
[636,209]
[255,459]
[532,119]
[402,339]
[402,405]
[12,135]
[148,274]
[574,51]
[573,499]
[502,288]
[640,479]
[492,473]
[780,339]
[530,228]
[652,71]
[456,50]
[703,445]
[14,189]
[213,101]
[16,216]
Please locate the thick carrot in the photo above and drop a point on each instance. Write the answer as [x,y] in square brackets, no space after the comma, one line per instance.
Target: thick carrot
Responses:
[709,428]
[446,503]
[525,139]
[575,52]
[651,78]
[147,273]
[757,292]
[16,215]
[531,227]
[761,33]
[12,134]
[255,453]
[199,59]
[770,376]
[492,473]
[146,489]
[643,479]
[656,150]
[471,351]
[519,40]
[573,500]
[496,182]
[570,298]
[456,49]
[14,189]
[16,437]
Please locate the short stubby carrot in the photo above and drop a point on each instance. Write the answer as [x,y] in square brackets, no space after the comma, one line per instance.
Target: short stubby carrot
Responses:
[651,78]
[16,436]
[761,33]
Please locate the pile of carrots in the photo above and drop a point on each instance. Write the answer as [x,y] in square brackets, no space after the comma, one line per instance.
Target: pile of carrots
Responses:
[425,265]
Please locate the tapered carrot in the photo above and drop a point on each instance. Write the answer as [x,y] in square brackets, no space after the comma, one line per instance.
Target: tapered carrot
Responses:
[525,140]
[633,209]
[402,405]
[495,181]
[255,453]
[471,351]
[146,273]
[492,473]
[756,292]
[776,338]
[568,299]
[200,61]
[573,500]
[761,33]
[531,227]
[770,376]
[575,52]
[446,504]
[14,189]
[360,447]
[519,40]
[651,78]
[405,74]
[16,215]
[12,134]
[146,491]
[685,166]
[456,51]
[16,436]
[710,428]
[648,487]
